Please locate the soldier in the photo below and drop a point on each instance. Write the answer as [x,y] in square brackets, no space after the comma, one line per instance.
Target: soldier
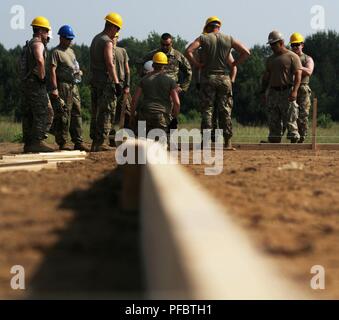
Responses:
[159,91]
[304,92]
[178,67]
[281,82]
[105,85]
[216,87]
[36,109]
[124,77]
[65,97]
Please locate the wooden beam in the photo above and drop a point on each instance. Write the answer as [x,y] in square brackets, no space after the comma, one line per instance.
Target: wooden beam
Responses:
[314,124]
[192,249]
[28,166]
[275,146]
[47,156]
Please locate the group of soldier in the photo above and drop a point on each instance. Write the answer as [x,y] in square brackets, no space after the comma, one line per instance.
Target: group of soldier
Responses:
[54,106]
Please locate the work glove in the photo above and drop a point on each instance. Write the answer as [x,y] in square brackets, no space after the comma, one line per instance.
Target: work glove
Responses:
[118,89]
[173,124]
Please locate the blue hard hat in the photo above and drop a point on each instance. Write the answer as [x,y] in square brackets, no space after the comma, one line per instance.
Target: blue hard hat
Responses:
[66,32]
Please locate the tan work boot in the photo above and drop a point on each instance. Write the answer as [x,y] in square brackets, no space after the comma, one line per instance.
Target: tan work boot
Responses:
[37,147]
[65,147]
[81,147]
[228,145]
[103,148]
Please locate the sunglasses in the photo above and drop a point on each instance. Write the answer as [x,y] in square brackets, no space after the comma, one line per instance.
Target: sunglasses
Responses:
[166,44]
[295,45]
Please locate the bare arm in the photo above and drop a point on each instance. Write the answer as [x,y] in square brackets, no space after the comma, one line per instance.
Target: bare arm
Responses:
[38,52]
[176,102]
[309,68]
[234,69]
[296,85]
[189,53]
[127,78]
[242,50]
[108,55]
[54,80]
[135,100]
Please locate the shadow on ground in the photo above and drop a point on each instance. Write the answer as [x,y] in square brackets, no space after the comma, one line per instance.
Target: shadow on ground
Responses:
[98,256]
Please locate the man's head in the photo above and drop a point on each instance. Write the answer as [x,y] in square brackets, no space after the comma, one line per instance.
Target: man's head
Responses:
[67,35]
[212,24]
[166,42]
[160,60]
[113,24]
[276,41]
[297,43]
[41,28]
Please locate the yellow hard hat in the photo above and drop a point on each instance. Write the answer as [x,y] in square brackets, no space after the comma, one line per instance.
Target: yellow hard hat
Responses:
[114,18]
[160,58]
[296,38]
[41,22]
[212,19]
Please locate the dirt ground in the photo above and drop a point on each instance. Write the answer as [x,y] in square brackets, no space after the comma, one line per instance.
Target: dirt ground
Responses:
[66,229]
[293,216]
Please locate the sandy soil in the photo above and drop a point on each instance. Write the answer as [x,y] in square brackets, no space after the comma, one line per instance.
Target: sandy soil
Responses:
[66,229]
[293,216]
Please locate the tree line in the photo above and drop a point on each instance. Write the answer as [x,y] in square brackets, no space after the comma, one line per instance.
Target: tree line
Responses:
[322,46]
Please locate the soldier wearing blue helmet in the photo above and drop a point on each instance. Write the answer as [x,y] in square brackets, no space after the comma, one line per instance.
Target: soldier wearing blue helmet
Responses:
[65,97]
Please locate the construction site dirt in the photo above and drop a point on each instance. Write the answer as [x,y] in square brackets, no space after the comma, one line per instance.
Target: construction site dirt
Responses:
[288,202]
[65,228]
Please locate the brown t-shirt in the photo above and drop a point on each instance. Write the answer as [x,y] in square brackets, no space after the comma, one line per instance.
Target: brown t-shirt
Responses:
[214,52]
[64,61]
[121,58]
[282,68]
[99,72]
[156,89]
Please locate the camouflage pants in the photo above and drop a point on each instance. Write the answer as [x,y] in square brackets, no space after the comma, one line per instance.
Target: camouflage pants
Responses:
[282,115]
[35,111]
[216,92]
[159,120]
[116,114]
[103,110]
[304,102]
[67,114]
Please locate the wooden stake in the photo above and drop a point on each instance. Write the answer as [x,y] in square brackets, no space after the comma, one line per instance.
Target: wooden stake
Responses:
[314,124]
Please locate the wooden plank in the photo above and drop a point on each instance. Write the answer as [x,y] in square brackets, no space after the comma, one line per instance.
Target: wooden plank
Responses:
[314,124]
[46,156]
[272,146]
[28,167]
[192,249]
[57,160]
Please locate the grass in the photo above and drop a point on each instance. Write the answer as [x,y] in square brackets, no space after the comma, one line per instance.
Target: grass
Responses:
[11,132]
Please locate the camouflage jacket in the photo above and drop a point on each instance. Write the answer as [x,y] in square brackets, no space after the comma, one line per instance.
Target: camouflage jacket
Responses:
[178,67]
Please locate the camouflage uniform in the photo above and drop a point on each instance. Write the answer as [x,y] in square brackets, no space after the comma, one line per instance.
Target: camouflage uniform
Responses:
[68,108]
[282,115]
[216,86]
[121,58]
[178,68]
[304,102]
[216,94]
[103,94]
[156,104]
[36,113]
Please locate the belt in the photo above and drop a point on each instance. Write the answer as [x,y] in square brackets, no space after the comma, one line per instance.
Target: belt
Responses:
[217,73]
[281,88]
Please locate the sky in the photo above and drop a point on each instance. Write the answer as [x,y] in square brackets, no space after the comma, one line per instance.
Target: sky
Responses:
[248,21]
